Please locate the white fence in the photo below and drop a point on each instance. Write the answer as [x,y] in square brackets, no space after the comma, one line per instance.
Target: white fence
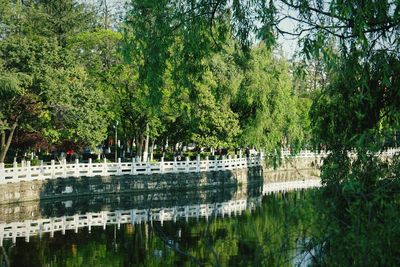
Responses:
[77,169]
[389,152]
[90,169]
[303,154]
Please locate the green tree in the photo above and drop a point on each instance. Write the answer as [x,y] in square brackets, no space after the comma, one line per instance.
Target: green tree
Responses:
[356,110]
[265,103]
[23,61]
[146,48]
[52,93]
[17,107]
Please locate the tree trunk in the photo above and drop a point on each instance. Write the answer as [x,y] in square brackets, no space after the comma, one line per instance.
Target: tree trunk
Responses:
[3,139]
[146,146]
[153,143]
[6,142]
[139,144]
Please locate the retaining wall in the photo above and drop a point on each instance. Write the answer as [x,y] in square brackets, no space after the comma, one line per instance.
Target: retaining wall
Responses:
[81,186]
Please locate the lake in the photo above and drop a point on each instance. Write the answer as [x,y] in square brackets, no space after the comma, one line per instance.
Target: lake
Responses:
[245,225]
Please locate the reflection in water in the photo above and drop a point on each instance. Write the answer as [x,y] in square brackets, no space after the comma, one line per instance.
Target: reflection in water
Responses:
[251,225]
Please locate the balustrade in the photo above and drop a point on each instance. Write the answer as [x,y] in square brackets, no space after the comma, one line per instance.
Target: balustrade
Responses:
[90,169]
[29,173]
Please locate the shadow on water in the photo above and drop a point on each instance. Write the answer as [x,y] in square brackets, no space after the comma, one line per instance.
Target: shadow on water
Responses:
[260,232]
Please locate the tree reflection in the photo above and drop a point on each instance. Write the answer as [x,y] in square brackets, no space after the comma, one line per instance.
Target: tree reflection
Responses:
[269,235]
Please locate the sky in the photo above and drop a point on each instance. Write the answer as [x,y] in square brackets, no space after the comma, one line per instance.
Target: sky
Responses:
[288,43]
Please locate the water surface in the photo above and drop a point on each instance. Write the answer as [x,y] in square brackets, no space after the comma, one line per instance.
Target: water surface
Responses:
[244,226]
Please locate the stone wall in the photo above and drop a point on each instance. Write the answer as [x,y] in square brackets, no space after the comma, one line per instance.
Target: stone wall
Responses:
[291,168]
[70,187]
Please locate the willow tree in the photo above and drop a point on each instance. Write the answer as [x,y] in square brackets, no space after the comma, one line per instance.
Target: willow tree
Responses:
[146,49]
[170,92]
[357,108]
[265,103]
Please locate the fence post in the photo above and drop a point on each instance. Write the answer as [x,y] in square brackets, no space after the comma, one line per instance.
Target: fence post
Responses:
[41,169]
[64,168]
[187,164]
[198,163]
[89,171]
[175,165]
[133,169]
[161,217]
[148,167]
[53,168]
[105,166]
[119,172]
[76,167]
[15,170]
[207,164]
[162,165]
[215,163]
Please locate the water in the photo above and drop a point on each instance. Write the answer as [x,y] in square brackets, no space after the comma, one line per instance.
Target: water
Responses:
[242,226]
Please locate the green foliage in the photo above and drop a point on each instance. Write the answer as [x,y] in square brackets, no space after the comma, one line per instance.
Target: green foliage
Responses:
[265,103]
[18,100]
[51,93]
[77,109]
[97,50]
[360,202]
[188,83]
[174,68]
[363,89]
[356,110]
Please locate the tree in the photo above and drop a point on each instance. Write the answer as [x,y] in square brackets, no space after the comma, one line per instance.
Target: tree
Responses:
[18,106]
[22,61]
[358,108]
[50,92]
[146,48]
[77,109]
[264,102]
[60,19]
[195,67]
